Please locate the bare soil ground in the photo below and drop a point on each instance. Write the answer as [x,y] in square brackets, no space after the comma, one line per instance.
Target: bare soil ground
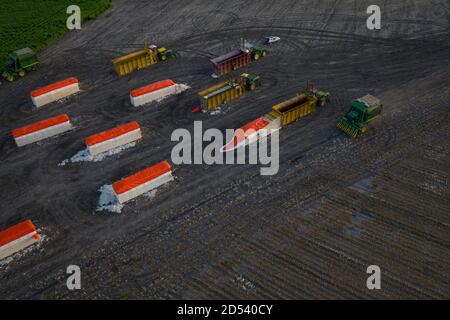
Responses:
[336,206]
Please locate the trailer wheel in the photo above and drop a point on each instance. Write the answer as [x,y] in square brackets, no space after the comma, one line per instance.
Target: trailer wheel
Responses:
[257,56]
[22,73]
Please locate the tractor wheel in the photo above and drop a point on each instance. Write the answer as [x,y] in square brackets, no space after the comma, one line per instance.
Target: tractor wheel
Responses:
[253,86]
[163,58]
[257,56]
[22,73]
[264,53]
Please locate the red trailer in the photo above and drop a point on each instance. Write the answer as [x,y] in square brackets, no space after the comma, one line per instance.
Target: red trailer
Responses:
[231,61]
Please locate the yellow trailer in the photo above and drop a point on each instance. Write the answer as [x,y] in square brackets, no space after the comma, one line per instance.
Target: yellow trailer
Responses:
[298,107]
[140,59]
[227,91]
[219,94]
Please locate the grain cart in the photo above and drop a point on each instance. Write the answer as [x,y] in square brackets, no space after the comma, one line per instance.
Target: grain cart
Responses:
[227,91]
[18,63]
[362,112]
[239,58]
[140,59]
[298,107]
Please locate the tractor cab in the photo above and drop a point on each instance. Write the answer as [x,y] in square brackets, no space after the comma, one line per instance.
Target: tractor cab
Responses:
[357,113]
[10,64]
[354,121]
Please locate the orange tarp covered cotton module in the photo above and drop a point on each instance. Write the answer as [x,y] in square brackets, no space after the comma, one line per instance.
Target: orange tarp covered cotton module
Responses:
[53,86]
[152,87]
[141,177]
[111,134]
[16,232]
[40,125]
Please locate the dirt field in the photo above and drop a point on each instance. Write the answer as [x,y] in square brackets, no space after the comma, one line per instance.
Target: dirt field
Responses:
[336,206]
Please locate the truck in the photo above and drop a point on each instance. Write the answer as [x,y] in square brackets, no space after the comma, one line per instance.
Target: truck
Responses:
[141,59]
[19,63]
[362,113]
[228,90]
[238,58]
[302,105]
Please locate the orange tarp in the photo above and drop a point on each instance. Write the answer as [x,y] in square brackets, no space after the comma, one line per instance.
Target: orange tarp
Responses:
[16,232]
[256,125]
[111,134]
[53,86]
[246,131]
[152,87]
[141,177]
[43,124]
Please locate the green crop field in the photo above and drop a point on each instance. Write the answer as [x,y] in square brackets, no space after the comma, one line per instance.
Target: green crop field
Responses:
[36,23]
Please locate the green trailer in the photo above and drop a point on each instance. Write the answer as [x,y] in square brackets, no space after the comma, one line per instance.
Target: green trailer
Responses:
[19,63]
[363,111]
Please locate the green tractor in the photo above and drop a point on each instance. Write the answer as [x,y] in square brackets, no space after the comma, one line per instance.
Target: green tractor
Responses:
[362,112]
[164,54]
[249,82]
[323,97]
[257,51]
[18,63]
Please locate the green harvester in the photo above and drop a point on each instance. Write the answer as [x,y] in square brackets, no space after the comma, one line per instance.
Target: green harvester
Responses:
[19,63]
[362,112]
